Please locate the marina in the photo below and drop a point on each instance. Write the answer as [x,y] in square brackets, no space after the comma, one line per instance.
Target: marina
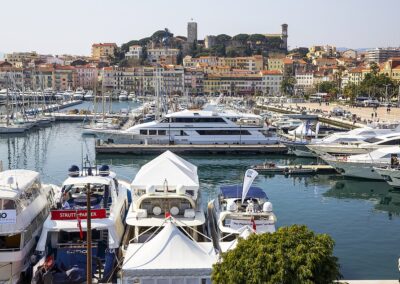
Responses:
[330,197]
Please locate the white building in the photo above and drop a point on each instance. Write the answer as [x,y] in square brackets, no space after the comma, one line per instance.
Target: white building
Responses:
[135,52]
[272,80]
[162,55]
[304,81]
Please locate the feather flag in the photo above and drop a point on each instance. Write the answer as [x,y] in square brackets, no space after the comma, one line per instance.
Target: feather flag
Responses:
[253,223]
[249,177]
[79,226]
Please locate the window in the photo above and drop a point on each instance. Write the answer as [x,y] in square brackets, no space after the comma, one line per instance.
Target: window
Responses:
[372,140]
[223,132]
[162,132]
[391,142]
[196,119]
[152,132]
[143,131]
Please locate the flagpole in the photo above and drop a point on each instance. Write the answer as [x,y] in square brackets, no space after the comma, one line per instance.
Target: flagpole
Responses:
[88,238]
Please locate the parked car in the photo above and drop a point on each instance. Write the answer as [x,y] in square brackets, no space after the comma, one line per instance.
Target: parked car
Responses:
[337,111]
[371,103]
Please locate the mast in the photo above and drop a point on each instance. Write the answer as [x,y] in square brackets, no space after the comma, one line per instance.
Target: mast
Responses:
[88,238]
[94,100]
[7,102]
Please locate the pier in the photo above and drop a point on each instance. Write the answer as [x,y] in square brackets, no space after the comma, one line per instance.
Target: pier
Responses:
[335,121]
[141,149]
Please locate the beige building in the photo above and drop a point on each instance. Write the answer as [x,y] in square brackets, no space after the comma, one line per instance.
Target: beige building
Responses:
[19,59]
[103,51]
[251,63]
[162,55]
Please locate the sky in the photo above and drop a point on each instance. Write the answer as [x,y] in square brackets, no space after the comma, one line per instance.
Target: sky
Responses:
[71,26]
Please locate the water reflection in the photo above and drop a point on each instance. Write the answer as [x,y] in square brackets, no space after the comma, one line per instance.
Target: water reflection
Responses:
[386,198]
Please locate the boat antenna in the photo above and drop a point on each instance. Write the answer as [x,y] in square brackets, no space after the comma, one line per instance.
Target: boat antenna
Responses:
[82,157]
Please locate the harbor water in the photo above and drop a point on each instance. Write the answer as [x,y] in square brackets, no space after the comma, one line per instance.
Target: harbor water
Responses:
[361,216]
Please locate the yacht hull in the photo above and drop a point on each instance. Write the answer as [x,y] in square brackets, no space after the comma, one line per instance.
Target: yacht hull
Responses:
[391,176]
[356,169]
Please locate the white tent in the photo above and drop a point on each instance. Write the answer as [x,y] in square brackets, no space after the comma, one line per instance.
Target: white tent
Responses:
[302,130]
[167,169]
[169,255]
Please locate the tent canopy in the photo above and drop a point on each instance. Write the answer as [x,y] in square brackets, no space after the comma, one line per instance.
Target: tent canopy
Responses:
[167,254]
[167,169]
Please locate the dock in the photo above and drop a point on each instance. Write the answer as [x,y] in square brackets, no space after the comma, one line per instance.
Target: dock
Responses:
[141,149]
[335,121]
[295,169]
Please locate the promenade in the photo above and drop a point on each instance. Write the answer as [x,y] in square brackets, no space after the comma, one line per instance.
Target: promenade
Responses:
[362,112]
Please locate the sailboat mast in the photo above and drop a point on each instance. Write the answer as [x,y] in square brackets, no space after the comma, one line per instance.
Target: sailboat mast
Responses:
[7,101]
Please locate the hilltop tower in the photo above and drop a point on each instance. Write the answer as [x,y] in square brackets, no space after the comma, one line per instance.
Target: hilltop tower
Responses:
[284,36]
[191,31]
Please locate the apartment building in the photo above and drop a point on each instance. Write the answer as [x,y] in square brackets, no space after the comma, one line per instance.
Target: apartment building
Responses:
[103,51]
[135,52]
[379,55]
[272,81]
[162,55]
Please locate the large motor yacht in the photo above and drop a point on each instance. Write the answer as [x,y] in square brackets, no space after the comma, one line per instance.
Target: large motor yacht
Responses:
[391,174]
[241,206]
[362,165]
[347,143]
[167,185]
[24,205]
[195,127]
[63,241]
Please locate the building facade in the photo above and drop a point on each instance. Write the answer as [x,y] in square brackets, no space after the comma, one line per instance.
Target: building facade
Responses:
[192,32]
[103,51]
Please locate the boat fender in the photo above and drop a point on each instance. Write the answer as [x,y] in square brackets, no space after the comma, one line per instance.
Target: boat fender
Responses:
[231,206]
[267,207]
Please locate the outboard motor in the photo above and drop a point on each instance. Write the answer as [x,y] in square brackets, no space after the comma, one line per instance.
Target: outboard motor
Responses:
[267,207]
[104,171]
[73,171]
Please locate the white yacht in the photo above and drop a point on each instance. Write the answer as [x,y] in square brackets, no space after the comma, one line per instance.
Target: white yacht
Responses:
[362,165]
[89,96]
[24,205]
[239,206]
[390,174]
[347,143]
[196,127]
[79,94]
[63,239]
[123,96]
[167,185]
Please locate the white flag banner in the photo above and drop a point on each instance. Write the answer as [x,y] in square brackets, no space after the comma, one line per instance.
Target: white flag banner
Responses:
[249,177]
[317,130]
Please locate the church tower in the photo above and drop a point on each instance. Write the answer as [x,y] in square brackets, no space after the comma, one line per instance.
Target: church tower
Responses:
[284,36]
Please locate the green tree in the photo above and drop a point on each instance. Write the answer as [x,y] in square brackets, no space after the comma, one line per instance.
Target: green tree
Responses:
[257,37]
[287,85]
[222,39]
[242,38]
[292,254]
[350,91]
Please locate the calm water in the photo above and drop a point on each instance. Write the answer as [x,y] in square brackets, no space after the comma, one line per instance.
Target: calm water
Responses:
[362,216]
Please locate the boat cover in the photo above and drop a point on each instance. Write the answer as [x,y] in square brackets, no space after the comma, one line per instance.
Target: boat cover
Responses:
[235,191]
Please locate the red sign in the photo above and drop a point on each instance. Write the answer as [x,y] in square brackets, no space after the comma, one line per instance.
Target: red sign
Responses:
[82,214]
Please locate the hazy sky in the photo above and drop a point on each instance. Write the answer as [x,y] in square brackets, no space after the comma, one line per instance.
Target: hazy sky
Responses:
[71,26]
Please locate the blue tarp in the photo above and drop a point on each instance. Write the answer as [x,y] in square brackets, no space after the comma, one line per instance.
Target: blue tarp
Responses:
[235,191]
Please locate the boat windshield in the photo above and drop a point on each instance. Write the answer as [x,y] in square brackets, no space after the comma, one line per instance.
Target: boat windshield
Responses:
[74,196]
[373,140]
[10,242]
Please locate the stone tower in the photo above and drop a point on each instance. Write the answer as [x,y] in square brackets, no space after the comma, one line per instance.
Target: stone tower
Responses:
[191,32]
[284,36]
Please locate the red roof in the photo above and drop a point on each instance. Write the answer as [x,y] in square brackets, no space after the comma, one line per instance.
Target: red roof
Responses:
[104,44]
[271,72]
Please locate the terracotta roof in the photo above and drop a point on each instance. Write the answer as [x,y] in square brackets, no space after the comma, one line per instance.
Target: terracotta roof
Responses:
[271,72]
[104,44]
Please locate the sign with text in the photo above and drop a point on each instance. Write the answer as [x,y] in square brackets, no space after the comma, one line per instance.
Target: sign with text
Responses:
[82,214]
[8,216]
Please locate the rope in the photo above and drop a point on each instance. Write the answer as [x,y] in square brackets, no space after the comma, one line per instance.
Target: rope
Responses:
[151,236]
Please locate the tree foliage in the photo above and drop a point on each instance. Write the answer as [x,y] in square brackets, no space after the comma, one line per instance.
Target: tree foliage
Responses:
[222,39]
[329,87]
[257,37]
[292,254]
[287,85]
[241,38]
